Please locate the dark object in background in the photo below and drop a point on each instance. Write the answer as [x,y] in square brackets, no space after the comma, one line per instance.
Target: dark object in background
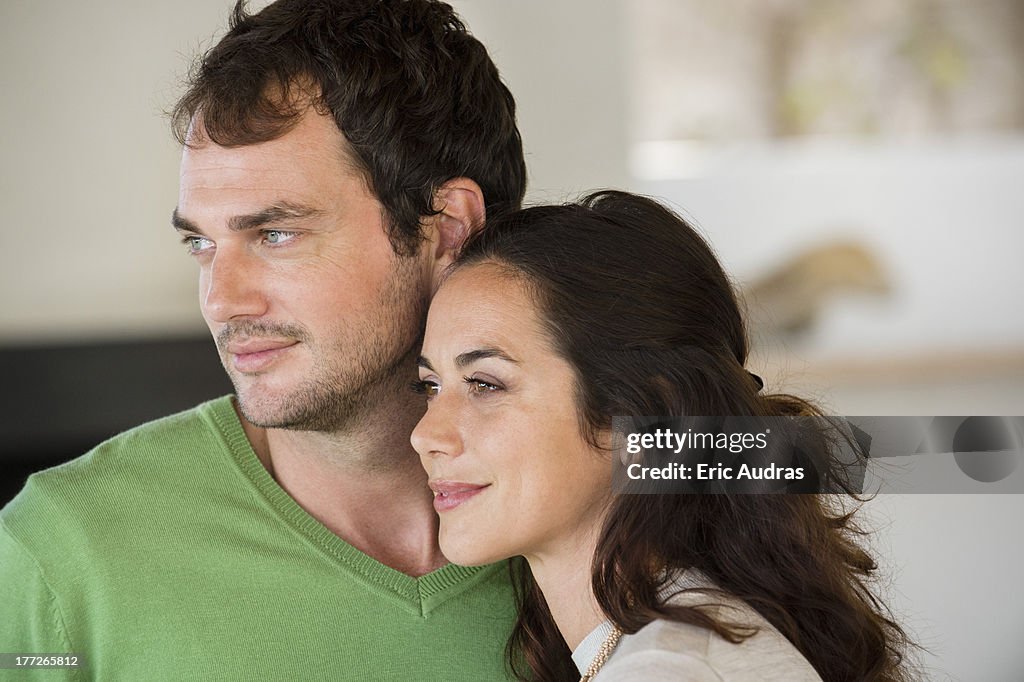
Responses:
[58,402]
[786,302]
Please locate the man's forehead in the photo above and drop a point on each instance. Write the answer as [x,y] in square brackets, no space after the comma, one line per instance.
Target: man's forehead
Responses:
[281,155]
[307,168]
[307,164]
[220,184]
[315,139]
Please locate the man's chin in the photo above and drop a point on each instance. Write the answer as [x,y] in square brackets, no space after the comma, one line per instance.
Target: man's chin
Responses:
[294,410]
[264,412]
[282,402]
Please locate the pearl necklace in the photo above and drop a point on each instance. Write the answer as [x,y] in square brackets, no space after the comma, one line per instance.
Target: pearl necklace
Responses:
[607,647]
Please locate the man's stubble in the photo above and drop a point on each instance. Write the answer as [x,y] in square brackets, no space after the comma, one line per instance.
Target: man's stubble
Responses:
[361,368]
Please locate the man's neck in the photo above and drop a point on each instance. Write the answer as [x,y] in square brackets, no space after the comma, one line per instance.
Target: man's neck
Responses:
[366,486]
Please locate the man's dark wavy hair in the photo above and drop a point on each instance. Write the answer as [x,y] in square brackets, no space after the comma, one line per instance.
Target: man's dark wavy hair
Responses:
[416,96]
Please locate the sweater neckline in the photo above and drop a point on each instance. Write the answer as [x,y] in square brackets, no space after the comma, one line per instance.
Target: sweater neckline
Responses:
[421,594]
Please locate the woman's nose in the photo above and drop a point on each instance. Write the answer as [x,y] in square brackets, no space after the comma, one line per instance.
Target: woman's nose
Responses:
[437,432]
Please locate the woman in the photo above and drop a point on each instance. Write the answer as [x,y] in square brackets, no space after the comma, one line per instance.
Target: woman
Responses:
[553,320]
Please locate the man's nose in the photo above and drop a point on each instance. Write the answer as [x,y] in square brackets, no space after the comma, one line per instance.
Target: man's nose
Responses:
[437,433]
[231,288]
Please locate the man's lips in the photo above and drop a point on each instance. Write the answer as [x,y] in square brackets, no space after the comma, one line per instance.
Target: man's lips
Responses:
[450,494]
[255,355]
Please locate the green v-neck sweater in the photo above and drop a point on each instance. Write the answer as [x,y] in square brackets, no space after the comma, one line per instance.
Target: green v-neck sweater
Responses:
[169,553]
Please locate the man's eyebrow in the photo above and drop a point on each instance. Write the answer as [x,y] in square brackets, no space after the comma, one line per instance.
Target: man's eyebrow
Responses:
[182,224]
[278,213]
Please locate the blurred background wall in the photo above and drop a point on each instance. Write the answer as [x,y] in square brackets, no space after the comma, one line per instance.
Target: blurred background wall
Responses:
[856,165]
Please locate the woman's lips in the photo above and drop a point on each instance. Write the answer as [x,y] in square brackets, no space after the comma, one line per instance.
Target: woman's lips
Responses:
[255,355]
[450,494]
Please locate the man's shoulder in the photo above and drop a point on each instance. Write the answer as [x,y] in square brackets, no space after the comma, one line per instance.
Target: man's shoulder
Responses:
[177,430]
[120,466]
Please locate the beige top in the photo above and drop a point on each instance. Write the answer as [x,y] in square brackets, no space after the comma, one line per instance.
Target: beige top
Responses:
[665,650]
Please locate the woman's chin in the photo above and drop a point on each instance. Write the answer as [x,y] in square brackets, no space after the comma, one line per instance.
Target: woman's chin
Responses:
[469,553]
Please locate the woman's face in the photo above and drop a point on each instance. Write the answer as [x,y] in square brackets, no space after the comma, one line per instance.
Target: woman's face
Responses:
[501,443]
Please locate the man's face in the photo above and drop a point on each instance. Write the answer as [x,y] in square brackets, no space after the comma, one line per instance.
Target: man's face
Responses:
[314,315]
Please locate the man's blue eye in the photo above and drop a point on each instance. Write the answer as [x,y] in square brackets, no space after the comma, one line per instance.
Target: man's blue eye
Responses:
[278,236]
[197,244]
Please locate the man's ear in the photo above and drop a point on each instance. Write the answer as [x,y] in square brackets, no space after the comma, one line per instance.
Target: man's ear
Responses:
[460,203]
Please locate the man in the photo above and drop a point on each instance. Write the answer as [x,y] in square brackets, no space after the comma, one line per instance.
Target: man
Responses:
[336,153]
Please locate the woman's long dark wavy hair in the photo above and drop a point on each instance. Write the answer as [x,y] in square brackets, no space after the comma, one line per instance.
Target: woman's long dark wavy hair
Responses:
[635,300]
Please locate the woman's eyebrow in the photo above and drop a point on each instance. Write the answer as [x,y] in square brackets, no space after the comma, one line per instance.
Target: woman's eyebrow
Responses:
[471,356]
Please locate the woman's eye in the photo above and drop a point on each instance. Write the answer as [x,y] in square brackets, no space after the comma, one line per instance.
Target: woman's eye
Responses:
[481,386]
[428,388]
[278,236]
